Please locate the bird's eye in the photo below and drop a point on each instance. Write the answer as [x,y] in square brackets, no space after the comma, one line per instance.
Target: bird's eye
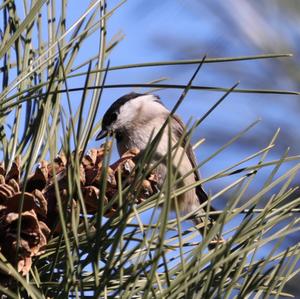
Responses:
[113,117]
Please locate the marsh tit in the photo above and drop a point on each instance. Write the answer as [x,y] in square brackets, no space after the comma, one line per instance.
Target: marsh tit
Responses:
[136,118]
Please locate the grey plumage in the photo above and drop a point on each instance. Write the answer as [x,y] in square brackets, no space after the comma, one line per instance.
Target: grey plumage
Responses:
[134,118]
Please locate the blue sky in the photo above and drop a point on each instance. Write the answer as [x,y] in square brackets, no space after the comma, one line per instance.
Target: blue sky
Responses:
[170,30]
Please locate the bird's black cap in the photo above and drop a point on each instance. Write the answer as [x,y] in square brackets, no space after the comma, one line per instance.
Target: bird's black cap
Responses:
[112,112]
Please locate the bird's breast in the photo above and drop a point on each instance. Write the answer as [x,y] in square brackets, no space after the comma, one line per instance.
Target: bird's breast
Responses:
[136,138]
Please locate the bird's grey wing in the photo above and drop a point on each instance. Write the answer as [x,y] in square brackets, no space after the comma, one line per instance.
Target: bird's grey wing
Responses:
[179,130]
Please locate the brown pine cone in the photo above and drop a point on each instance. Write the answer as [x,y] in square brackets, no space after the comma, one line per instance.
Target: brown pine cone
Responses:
[39,208]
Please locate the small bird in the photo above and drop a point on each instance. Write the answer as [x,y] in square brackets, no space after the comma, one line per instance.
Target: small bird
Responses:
[134,119]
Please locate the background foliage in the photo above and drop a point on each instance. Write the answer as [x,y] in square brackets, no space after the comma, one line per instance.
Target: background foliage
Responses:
[55,72]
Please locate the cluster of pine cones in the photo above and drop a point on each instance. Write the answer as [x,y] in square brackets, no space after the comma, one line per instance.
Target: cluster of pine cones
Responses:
[35,201]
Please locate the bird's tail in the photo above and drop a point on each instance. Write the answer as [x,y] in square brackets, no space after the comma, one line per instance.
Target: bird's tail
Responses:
[204,224]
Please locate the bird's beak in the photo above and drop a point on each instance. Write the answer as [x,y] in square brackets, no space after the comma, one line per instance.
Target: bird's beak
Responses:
[102,134]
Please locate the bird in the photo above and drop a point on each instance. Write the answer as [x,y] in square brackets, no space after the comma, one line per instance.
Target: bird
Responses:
[135,119]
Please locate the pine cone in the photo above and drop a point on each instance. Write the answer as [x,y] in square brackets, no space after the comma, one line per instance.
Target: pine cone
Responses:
[33,233]
[39,209]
